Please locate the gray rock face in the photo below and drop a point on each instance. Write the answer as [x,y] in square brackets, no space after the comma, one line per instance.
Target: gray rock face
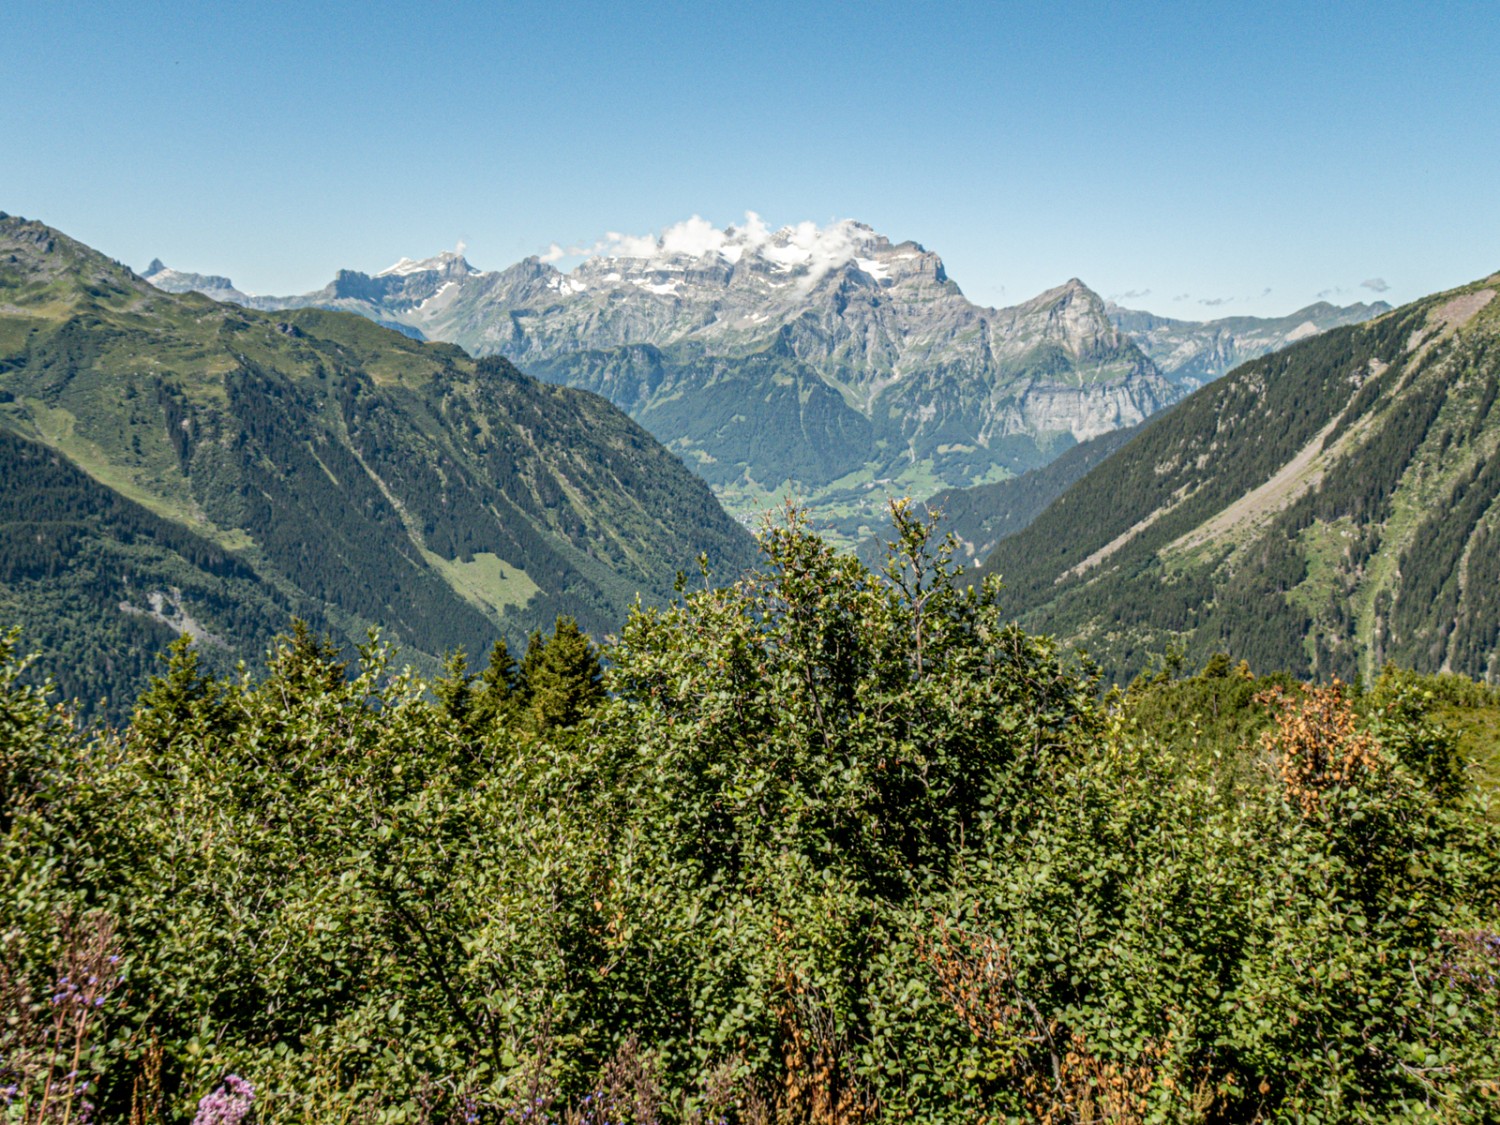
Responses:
[178,281]
[828,361]
[1191,353]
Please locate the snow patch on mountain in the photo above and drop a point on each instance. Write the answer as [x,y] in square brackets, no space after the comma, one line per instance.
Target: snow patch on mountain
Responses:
[442,262]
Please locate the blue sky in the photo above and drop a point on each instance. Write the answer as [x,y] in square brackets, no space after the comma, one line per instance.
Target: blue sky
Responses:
[1203,159]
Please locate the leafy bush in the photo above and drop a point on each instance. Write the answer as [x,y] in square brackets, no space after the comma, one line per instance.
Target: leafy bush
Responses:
[821,845]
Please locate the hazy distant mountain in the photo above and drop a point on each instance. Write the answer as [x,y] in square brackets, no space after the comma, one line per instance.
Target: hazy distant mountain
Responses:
[210,285]
[1320,510]
[181,465]
[1192,353]
[830,361]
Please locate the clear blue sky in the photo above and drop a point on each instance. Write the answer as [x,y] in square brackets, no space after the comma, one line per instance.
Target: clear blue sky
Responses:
[1256,155]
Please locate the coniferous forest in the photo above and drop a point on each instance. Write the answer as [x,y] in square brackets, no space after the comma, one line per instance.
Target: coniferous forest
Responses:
[820,845]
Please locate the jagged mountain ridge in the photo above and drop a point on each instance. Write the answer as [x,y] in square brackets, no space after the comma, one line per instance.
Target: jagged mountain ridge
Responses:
[1321,510]
[1192,353]
[358,476]
[209,285]
[832,361]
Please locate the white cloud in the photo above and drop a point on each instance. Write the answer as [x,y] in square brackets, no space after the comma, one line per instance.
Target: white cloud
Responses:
[1375,284]
[1214,302]
[1132,295]
[617,245]
[695,238]
[555,253]
[806,248]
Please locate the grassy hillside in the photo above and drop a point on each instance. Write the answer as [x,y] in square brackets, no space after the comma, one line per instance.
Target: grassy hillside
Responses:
[378,479]
[1322,510]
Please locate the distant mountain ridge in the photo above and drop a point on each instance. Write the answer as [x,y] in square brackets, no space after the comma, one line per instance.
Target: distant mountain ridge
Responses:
[1192,353]
[338,470]
[1320,510]
[210,285]
[830,361]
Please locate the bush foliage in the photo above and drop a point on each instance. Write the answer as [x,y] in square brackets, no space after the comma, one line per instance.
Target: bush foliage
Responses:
[822,845]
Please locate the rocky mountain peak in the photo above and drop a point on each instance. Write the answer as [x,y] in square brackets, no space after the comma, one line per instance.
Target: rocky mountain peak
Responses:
[447,263]
[1074,317]
[213,285]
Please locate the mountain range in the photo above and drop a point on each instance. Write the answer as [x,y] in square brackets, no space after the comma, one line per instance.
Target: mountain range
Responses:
[180,465]
[1192,353]
[1321,510]
[184,465]
[830,362]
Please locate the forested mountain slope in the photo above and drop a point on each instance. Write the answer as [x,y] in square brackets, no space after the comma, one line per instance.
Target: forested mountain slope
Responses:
[100,585]
[1321,510]
[829,361]
[353,473]
[981,516]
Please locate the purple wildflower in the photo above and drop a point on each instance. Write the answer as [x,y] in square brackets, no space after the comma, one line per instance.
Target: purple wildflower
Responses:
[228,1105]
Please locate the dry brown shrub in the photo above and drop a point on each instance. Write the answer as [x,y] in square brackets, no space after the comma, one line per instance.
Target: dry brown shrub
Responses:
[146,1095]
[1062,1081]
[816,1089]
[1316,744]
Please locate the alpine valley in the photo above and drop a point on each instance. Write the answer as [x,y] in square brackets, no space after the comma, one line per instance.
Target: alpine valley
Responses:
[1323,510]
[829,363]
[178,465]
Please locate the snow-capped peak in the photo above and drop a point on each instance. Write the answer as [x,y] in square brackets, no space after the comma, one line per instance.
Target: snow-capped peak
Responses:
[444,262]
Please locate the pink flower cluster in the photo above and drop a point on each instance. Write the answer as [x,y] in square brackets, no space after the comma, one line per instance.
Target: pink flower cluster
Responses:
[228,1105]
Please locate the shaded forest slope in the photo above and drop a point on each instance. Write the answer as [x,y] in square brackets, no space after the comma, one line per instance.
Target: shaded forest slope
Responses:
[352,473]
[1322,510]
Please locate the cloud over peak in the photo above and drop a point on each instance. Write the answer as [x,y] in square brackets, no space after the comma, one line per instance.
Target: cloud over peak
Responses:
[805,246]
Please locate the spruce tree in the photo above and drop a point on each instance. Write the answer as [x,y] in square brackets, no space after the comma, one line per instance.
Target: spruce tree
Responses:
[494,700]
[563,677]
[455,688]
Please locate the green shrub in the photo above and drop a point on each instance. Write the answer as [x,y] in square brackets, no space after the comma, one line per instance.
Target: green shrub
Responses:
[822,845]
